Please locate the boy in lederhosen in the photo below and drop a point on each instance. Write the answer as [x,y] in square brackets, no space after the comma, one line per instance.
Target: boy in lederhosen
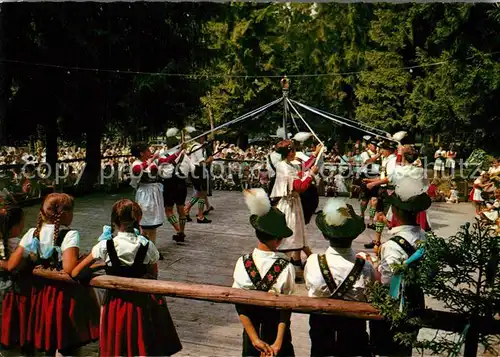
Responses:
[339,274]
[266,330]
[408,200]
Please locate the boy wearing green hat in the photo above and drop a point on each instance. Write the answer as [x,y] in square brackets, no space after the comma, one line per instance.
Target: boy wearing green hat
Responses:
[339,274]
[407,201]
[266,331]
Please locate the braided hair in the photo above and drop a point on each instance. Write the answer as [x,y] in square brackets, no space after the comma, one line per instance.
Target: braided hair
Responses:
[53,207]
[284,147]
[9,218]
[126,214]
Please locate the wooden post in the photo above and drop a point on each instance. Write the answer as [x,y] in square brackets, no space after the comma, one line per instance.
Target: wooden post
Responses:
[471,341]
[210,115]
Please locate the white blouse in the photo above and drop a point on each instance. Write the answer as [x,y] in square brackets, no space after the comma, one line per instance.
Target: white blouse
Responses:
[46,238]
[126,246]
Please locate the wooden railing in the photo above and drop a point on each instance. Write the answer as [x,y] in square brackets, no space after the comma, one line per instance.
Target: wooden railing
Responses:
[435,319]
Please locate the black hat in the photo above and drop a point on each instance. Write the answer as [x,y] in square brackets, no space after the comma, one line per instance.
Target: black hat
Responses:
[386,145]
[339,221]
[266,219]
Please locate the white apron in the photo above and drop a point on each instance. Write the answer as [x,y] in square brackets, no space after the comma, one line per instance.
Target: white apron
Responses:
[290,205]
[149,196]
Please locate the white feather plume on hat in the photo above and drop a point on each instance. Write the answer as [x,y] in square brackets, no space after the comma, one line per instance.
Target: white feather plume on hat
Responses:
[257,201]
[400,135]
[408,187]
[190,129]
[302,136]
[172,132]
[336,212]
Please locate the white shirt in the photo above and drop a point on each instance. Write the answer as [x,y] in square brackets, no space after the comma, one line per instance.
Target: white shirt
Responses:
[340,261]
[392,253]
[284,284]
[46,238]
[198,156]
[365,156]
[389,163]
[126,246]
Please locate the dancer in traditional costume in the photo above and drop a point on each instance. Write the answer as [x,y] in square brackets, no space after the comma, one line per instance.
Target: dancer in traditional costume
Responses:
[290,183]
[368,171]
[63,317]
[132,323]
[339,274]
[408,200]
[199,179]
[481,184]
[174,179]
[266,331]
[149,191]
[15,286]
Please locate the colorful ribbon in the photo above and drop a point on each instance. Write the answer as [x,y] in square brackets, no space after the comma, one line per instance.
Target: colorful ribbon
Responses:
[397,284]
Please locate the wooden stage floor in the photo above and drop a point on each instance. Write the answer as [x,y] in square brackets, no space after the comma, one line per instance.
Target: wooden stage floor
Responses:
[209,255]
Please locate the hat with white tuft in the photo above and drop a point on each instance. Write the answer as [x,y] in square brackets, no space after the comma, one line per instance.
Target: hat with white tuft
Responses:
[339,221]
[410,194]
[264,218]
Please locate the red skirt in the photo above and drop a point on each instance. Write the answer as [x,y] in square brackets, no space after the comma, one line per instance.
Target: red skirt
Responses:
[135,324]
[63,316]
[15,312]
[423,222]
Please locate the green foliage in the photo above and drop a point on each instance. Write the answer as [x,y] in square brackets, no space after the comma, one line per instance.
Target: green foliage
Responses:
[425,68]
[461,273]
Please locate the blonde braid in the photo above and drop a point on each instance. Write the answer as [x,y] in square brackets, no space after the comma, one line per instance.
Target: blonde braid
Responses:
[39,224]
[57,224]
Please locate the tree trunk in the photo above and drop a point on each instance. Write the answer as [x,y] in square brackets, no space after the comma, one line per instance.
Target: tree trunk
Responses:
[4,83]
[51,135]
[92,157]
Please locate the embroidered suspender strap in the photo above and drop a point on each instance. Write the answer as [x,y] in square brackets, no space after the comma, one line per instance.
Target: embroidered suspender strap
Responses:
[251,269]
[141,254]
[403,243]
[110,247]
[178,166]
[272,274]
[269,279]
[327,274]
[350,280]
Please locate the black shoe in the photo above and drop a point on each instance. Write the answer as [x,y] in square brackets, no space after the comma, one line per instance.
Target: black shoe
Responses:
[179,237]
[161,257]
[189,219]
[204,220]
[208,210]
[370,245]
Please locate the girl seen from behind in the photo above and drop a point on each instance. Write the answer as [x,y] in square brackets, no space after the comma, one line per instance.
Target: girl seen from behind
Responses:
[132,323]
[15,286]
[63,317]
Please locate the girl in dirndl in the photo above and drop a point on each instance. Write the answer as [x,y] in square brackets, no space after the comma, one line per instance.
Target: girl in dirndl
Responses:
[476,195]
[132,323]
[63,317]
[149,194]
[290,183]
[16,287]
